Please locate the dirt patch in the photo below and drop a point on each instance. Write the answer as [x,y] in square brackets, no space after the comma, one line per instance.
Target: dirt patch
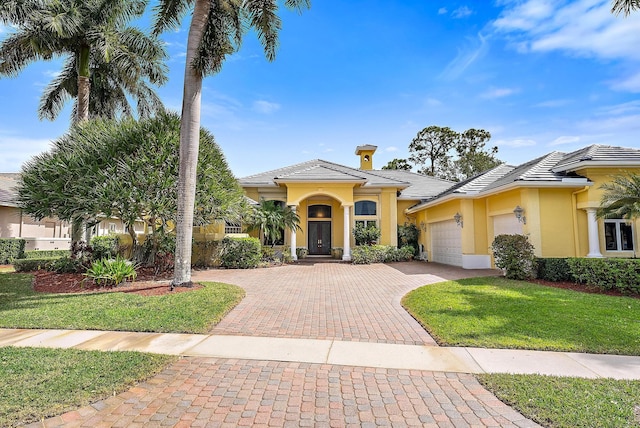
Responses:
[146,284]
[583,288]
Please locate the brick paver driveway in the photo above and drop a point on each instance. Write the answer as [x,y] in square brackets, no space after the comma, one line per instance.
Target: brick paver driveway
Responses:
[330,300]
[335,301]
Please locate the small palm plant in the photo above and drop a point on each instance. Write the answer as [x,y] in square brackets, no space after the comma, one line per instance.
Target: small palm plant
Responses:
[111,272]
[271,218]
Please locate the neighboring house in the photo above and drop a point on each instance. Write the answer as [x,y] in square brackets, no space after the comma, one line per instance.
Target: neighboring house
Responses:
[48,233]
[552,200]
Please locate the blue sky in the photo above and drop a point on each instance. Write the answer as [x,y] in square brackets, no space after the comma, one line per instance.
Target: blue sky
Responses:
[540,75]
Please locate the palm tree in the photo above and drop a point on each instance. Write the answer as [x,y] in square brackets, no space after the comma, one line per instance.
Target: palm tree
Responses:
[216,30]
[99,47]
[621,198]
[625,6]
[271,218]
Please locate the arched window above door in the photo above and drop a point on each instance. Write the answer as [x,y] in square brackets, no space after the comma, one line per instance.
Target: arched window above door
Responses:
[319,211]
[365,208]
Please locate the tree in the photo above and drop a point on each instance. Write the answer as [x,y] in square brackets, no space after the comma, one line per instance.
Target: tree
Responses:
[433,144]
[472,157]
[625,6]
[451,155]
[621,198]
[400,164]
[127,169]
[99,47]
[271,218]
[216,30]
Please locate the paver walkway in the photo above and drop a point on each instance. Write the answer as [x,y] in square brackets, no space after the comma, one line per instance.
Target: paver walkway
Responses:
[331,301]
[336,301]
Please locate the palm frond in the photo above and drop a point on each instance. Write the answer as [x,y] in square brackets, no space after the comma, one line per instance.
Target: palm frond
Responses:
[169,13]
[625,6]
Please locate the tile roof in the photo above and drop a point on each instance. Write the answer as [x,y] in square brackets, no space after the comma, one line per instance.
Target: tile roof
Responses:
[598,154]
[8,181]
[535,170]
[422,186]
[320,170]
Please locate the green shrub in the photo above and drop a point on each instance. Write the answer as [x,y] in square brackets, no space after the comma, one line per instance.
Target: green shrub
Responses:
[367,254]
[44,254]
[30,265]
[111,272]
[366,235]
[408,235]
[553,269]
[240,253]
[66,265]
[514,254]
[608,274]
[104,247]
[268,254]
[302,252]
[11,249]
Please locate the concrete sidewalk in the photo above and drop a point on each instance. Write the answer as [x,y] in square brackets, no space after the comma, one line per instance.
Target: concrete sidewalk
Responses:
[342,353]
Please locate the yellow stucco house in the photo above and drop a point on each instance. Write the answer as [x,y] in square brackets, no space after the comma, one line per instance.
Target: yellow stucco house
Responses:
[551,199]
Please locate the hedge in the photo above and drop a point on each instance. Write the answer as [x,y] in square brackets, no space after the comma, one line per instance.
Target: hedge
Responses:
[11,249]
[45,254]
[613,273]
[553,269]
[367,254]
[28,265]
[240,253]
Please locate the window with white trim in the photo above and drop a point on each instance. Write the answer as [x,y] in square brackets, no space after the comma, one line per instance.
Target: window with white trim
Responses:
[618,235]
[365,213]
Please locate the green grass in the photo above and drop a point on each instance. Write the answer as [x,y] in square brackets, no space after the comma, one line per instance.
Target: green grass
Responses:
[38,383]
[494,312]
[563,402]
[189,312]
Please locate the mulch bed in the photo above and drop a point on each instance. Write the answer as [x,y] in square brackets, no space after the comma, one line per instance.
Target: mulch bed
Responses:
[582,288]
[146,284]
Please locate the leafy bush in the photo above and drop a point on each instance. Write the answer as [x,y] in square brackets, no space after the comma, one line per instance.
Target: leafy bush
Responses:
[104,247]
[268,254]
[11,249]
[368,235]
[367,254]
[514,254]
[620,274]
[240,253]
[66,265]
[157,251]
[29,265]
[553,269]
[111,272]
[302,252]
[44,254]
[408,236]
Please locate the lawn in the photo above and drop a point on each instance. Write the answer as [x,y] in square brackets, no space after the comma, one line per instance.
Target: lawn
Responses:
[494,312]
[564,402]
[188,312]
[38,383]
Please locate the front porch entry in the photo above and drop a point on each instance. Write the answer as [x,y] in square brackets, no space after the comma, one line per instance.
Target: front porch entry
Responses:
[319,238]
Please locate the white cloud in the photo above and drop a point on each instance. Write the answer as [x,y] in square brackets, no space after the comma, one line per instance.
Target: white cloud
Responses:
[461,12]
[433,102]
[582,27]
[620,109]
[391,149]
[442,11]
[565,139]
[466,57]
[516,142]
[265,107]
[553,103]
[498,93]
[628,84]
[15,150]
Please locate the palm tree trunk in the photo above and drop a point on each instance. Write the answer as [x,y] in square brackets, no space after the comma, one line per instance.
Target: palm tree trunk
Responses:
[189,145]
[83,85]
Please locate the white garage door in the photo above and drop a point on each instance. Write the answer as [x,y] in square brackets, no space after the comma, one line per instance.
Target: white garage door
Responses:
[506,224]
[446,243]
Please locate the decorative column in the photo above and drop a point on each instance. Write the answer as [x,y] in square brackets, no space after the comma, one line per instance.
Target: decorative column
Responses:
[294,254]
[592,229]
[346,253]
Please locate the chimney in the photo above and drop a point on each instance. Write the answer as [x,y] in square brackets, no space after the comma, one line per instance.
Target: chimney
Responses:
[366,156]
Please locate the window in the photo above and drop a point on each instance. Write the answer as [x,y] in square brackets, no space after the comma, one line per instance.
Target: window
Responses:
[367,223]
[365,208]
[319,211]
[112,227]
[618,235]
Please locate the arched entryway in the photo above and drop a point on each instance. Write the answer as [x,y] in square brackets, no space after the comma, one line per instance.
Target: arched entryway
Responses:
[319,220]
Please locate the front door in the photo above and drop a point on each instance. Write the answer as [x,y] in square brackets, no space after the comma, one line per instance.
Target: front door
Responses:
[319,237]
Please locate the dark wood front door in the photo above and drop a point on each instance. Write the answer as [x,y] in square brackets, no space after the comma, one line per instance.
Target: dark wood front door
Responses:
[319,237]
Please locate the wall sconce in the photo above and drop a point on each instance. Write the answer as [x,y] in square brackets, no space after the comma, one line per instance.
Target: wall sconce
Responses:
[458,219]
[423,226]
[518,211]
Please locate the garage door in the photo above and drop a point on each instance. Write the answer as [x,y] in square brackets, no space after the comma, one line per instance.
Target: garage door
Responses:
[446,243]
[506,224]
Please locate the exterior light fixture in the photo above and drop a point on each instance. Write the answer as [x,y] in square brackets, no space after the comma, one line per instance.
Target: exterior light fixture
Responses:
[458,219]
[423,226]
[519,213]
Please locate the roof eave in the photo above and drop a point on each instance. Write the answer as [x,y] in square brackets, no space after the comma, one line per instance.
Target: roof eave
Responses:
[595,164]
